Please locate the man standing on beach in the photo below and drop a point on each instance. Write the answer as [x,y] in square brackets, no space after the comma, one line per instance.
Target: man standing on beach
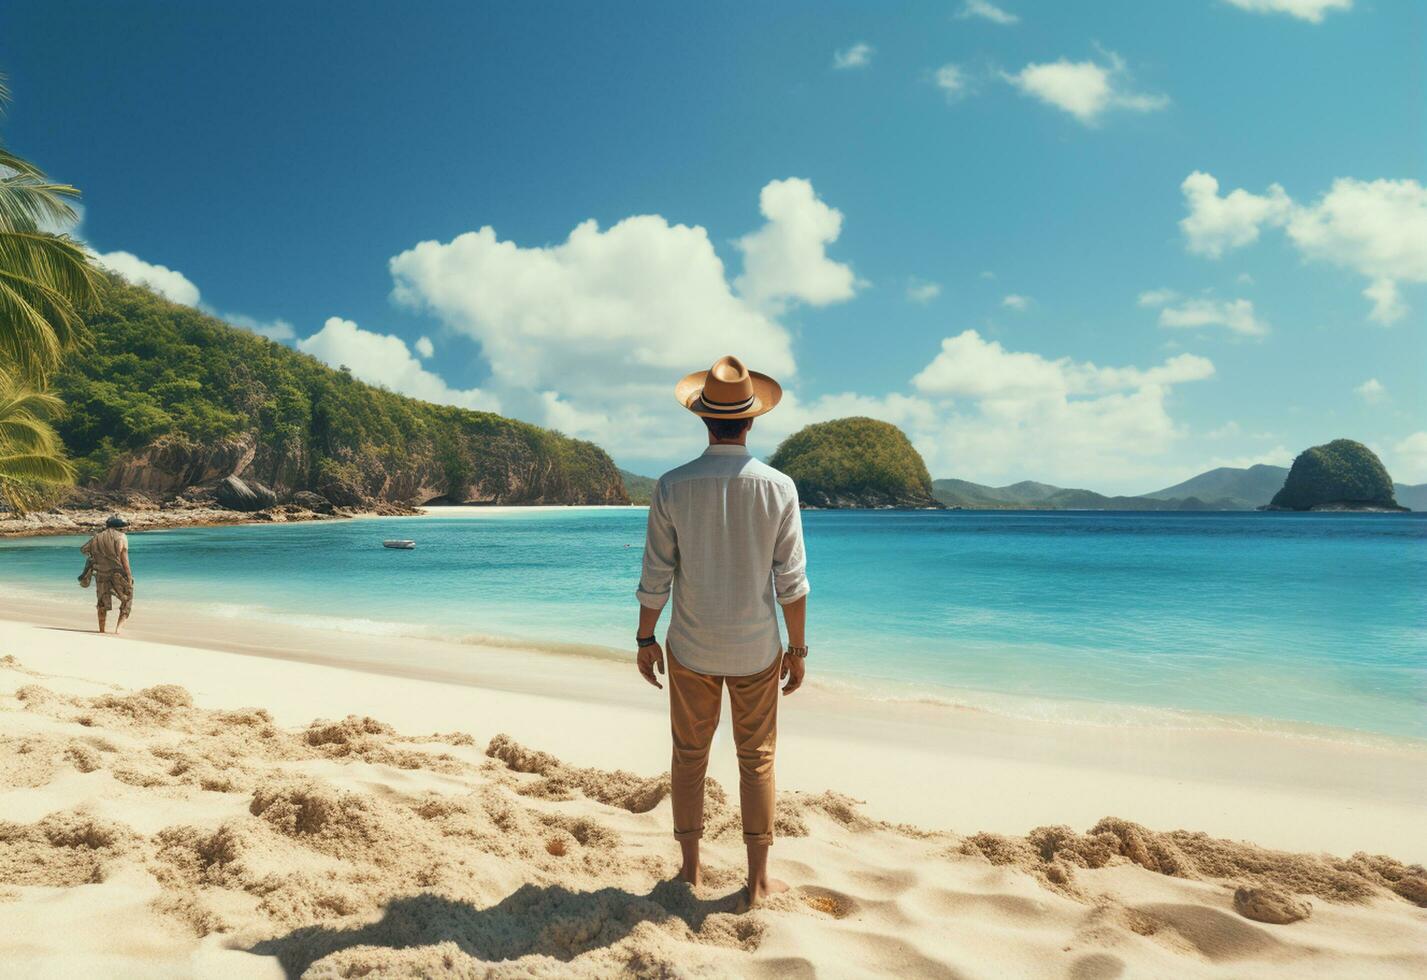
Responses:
[725,538]
[108,554]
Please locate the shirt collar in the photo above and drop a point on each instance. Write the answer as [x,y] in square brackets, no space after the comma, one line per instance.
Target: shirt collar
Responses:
[726,449]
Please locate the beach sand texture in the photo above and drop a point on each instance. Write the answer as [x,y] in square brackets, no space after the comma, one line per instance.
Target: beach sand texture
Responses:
[142,834]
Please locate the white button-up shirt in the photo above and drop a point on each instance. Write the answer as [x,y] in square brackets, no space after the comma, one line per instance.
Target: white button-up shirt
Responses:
[726,535]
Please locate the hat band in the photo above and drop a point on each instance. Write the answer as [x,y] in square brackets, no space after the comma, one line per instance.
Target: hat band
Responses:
[725,408]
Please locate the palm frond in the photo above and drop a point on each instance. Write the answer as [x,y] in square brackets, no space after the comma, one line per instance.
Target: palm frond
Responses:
[28,199]
[58,260]
[27,338]
[36,468]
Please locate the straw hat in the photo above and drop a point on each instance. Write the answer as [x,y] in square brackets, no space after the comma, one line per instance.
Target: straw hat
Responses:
[728,390]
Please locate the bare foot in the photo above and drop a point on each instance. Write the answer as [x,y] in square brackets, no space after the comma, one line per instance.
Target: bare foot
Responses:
[755,893]
[693,876]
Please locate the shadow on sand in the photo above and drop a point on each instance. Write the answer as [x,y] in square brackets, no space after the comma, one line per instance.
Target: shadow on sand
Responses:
[533,920]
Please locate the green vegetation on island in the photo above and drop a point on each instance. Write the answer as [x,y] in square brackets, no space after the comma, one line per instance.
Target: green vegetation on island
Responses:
[1339,475]
[638,487]
[163,397]
[855,462]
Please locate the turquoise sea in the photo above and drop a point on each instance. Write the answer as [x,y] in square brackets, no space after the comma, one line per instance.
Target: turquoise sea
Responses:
[1253,618]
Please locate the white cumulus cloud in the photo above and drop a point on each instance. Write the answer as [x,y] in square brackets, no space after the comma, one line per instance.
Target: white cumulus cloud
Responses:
[981,411]
[385,360]
[600,325]
[858,55]
[1376,228]
[424,347]
[1085,89]
[985,10]
[1217,224]
[786,260]
[1015,301]
[1309,10]
[168,283]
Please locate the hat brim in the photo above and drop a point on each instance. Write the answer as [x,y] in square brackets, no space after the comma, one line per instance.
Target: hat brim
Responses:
[767,393]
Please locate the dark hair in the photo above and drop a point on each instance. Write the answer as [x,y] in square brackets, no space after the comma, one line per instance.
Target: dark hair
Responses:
[727,428]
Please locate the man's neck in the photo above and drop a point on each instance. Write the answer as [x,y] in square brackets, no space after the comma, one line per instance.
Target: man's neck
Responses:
[740,441]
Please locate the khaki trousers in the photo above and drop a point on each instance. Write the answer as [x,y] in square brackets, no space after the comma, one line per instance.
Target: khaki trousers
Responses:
[694,703]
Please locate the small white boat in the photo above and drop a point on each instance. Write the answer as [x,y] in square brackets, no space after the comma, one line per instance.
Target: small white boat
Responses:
[399,544]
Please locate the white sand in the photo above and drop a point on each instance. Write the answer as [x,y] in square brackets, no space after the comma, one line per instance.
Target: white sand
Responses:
[157,835]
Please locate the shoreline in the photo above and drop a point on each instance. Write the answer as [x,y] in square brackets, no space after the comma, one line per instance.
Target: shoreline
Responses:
[1275,788]
[153,516]
[861,687]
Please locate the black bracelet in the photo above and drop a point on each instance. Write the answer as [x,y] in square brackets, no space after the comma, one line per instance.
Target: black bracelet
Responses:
[646,641]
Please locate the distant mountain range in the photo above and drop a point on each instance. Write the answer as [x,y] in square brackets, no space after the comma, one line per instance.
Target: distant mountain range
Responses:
[1225,488]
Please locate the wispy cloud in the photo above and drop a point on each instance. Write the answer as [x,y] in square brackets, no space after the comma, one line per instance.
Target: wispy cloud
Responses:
[951,79]
[1371,391]
[1309,10]
[922,292]
[1236,315]
[858,55]
[985,10]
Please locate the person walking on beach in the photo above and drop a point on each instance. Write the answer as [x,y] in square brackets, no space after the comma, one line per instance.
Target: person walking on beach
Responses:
[108,554]
[725,538]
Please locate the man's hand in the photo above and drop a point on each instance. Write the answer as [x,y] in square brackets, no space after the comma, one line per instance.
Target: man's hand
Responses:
[650,656]
[793,670]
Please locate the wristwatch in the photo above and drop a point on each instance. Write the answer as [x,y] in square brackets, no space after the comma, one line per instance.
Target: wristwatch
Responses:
[800,652]
[646,641]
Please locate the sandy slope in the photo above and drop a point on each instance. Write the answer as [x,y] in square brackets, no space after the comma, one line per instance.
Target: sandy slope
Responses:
[145,835]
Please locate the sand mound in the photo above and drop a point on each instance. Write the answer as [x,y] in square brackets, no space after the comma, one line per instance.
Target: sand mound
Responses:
[1052,854]
[65,848]
[342,851]
[625,790]
[1270,905]
[639,794]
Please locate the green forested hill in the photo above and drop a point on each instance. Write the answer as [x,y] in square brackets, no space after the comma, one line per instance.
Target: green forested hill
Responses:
[1337,474]
[855,462]
[162,397]
[638,487]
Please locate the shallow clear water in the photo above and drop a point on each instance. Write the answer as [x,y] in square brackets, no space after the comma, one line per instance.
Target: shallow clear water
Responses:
[1316,618]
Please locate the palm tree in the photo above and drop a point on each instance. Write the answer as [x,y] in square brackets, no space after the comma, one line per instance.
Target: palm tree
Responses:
[46,282]
[32,463]
[46,279]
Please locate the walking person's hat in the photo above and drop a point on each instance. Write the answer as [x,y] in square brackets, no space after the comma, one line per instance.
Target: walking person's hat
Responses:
[114,520]
[728,390]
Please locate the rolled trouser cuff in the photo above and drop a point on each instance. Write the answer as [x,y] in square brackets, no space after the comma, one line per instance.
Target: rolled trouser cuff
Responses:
[689,834]
[764,839]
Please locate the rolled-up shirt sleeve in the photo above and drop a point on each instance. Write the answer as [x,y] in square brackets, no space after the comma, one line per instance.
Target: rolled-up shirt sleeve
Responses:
[790,562]
[661,553]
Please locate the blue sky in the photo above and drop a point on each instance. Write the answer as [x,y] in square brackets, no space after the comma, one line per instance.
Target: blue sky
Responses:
[974,218]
